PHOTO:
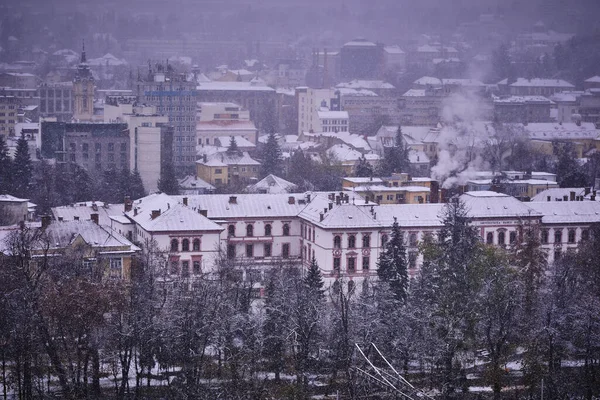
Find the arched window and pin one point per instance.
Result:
(286, 230)
(174, 245)
(366, 241)
(231, 230)
(558, 236)
(268, 230)
(512, 237)
(501, 238)
(489, 239)
(185, 245)
(196, 245)
(384, 240)
(337, 242)
(250, 230)
(351, 242)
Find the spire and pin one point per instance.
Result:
(83, 59)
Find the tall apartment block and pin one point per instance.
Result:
(175, 97)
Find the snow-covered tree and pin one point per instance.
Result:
(271, 157)
(392, 266)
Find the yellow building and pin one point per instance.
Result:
(223, 168)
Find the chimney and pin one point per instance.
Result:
(338, 201)
(94, 206)
(324, 210)
(185, 201)
(128, 204)
(291, 200)
(548, 198)
(593, 197)
(346, 198)
(155, 213)
(232, 200)
(95, 217)
(135, 212)
(587, 191)
(203, 212)
(565, 198)
(308, 197)
(46, 219)
(572, 196)
(321, 216)
(330, 205)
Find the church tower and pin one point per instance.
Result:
(83, 91)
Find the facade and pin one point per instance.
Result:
(534, 87)
(174, 96)
(9, 108)
(57, 101)
(95, 147)
(224, 168)
(218, 120)
(361, 59)
(12, 209)
(523, 109)
(255, 96)
(150, 135)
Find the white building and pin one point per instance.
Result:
(217, 120)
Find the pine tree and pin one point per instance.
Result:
(124, 184)
(136, 188)
(233, 147)
(22, 169)
(392, 266)
(363, 168)
(5, 168)
(314, 281)
(271, 157)
(395, 158)
(168, 180)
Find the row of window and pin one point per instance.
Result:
(366, 241)
(268, 230)
(267, 250)
(185, 245)
(183, 268)
(558, 235)
(110, 146)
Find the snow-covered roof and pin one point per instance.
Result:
(593, 79)
(193, 182)
(363, 180)
(417, 157)
(62, 234)
(359, 42)
(565, 130)
(365, 84)
(414, 93)
(428, 80)
(567, 212)
(107, 59)
(342, 153)
(393, 49)
(7, 198)
(222, 159)
(272, 184)
(558, 194)
(240, 141)
(538, 82)
(566, 96)
(356, 92)
(487, 204)
(225, 125)
(351, 139)
(427, 49)
(253, 86)
(523, 100)
(82, 211)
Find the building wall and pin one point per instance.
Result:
(57, 100)
(9, 106)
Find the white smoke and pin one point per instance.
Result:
(460, 140)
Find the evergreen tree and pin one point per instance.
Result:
(124, 183)
(301, 169)
(168, 181)
(502, 64)
(22, 169)
(363, 168)
(314, 281)
(111, 190)
(569, 172)
(5, 168)
(233, 147)
(271, 157)
(395, 158)
(83, 187)
(392, 266)
(136, 188)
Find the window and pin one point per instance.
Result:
(250, 230)
(111, 146)
(558, 236)
(98, 147)
(174, 245)
(285, 250)
(231, 251)
(286, 230)
(185, 269)
(384, 240)
(351, 242)
(489, 239)
(196, 245)
(268, 230)
(267, 250)
(218, 171)
(366, 241)
(231, 230)
(196, 266)
(501, 238)
(351, 265)
(412, 260)
(85, 147)
(337, 263)
(185, 245)
(512, 237)
(365, 263)
(115, 268)
(585, 235)
(174, 268)
(571, 236)
(337, 242)
(412, 239)
(249, 250)
(545, 236)
(123, 147)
